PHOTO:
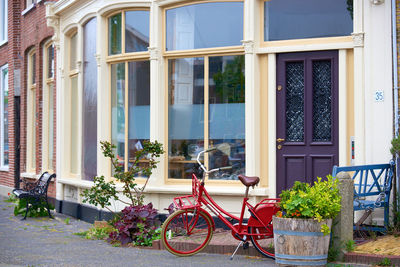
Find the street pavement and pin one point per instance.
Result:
(52, 242)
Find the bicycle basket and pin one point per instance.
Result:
(189, 201)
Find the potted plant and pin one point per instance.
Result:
(302, 227)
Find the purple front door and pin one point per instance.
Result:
(307, 116)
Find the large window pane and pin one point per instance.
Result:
(89, 126)
(139, 106)
(136, 31)
(118, 109)
(205, 25)
(294, 19)
(227, 115)
(115, 34)
(74, 125)
(185, 114)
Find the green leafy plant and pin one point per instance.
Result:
(395, 149)
(11, 198)
(143, 163)
(37, 209)
(319, 201)
(67, 220)
(350, 245)
(384, 262)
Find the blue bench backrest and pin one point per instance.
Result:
(370, 180)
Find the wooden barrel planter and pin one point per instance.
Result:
(300, 242)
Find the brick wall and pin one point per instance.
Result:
(24, 33)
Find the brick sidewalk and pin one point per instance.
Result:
(222, 242)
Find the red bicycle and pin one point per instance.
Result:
(190, 228)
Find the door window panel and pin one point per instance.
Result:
(185, 115)
(294, 19)
(322, 101)
(204, 25)
(295, 102)
(227, 115)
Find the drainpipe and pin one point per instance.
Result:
(395, 88)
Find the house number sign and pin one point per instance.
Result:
(379, 96)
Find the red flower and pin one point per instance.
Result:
(8, 193)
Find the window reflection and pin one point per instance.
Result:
(136, 31)
(227, 115)
(185, 114)
(114, 34)
(118, 109)
(293, 19)
(204, 25)
(139, 107)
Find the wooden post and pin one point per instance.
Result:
(342, 227)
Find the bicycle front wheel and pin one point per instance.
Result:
(187, 232)
(264, 242)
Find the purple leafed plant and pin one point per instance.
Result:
(137, 224)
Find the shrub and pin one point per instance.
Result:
(38, 208)
(102, 192)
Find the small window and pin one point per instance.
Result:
(72, 51)
(3, 20)
(294, 19)
(128, 32)
(204, 25)
(50, 62)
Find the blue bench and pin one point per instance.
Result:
(372, 186)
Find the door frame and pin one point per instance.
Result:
(346, 111)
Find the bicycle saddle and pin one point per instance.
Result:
(249, 181)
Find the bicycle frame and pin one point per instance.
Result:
(202, 197)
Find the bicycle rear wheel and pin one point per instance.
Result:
(186, 232)
(264, 242)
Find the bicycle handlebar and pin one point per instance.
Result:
(204, 168)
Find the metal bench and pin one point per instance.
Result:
(372, 186)
(36, 192)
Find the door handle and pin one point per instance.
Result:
(280, 140)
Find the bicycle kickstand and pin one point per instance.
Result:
(240, 243)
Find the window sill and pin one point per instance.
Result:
(30, 175)
(29, 8)
(4, 169)
(3, 42)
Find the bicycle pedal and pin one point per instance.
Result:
(246, 245)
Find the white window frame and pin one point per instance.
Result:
(48, 82)
(3, 21)
(31, 116)
(4, 85)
